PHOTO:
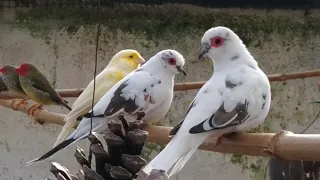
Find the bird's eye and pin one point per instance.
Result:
(172, 61)
(131, 56)
(216, 41)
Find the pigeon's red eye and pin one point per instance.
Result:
(172, 61)
(216, 41)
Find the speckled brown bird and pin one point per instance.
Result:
(38, 88)
(3, 86)
(4, 91)
(11, 80)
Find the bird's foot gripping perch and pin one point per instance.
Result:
(21, 101)
(33, 108)
(225, 137)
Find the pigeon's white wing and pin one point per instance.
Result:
(238, 101)
(135, 93)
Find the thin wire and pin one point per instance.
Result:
(312, 122)
(94, 77)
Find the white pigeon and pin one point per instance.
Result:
(145, 93)
(236, 98)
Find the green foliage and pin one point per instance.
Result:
(165, 22)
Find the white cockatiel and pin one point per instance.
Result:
(145, 93)
(236, 98)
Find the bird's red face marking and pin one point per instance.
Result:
(216, 41)
(4, 70)
(23, 70)
(172, 61)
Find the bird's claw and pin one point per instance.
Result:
(225, 137)
(33, 108)
(17, 106)
(218, 141)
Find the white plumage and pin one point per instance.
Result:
(236, 98)
(149, 89)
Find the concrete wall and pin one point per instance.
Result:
(62, 44)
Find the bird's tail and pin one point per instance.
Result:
(70, 121)
(53, 151)
(176, 154)
(65, 104)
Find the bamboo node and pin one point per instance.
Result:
(272, 149)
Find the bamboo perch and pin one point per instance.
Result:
(197, 85)
(284, 145)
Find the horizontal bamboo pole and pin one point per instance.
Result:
(197, 85)
(284, 145)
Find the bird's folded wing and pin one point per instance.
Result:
(42, 84)
(130, 95)
(104, 83)
(241, 98)
(135, 94)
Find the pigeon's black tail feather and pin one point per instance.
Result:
(52, 151)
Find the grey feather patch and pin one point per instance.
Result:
(140, 69)
(239, 114)
(264, 100)
(235, 57)
(118, 102)
(230, 84)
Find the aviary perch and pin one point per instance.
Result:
(284, 145)
(197, 85)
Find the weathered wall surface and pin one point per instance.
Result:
(62, 44)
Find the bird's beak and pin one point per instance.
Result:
(181, 70)
(204, 51)
(2, 70)
(141, 61)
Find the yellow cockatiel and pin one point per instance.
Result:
(122, 63)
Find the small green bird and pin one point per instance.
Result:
(3, 86)
(11, 80)
(4, 94)
(38, 88)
